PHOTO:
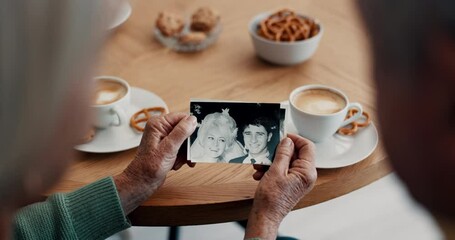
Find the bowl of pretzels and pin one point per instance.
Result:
(285, 37)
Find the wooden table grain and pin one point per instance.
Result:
(212, 193)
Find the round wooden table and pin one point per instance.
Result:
(229, 70)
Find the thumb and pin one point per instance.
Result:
(284, 153)
(179, 134)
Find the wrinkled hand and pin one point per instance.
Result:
(162, 139)
(291, 176)
(157, 154)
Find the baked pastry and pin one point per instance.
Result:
(201, 31)
(170, 24)
(204, 19)
(143, 115)
(192, 38)
(287, 26)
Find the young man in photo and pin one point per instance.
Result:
(257, 135)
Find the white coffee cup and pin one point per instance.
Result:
(318, 111)
(112, 99)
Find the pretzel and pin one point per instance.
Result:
(365, 114)
(348, 131)
(147, 114)
(89, 135)
(353, 127)
(286, 26)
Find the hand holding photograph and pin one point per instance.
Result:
(235, 132)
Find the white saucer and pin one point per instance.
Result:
(123, 137)
(123, 14)
(339, 150)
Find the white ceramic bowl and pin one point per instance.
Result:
(283, 53)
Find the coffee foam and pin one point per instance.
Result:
(319, 101)
(105, 97)
(108, 92)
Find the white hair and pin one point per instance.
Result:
(44, 46)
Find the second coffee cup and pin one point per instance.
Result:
(112, 99)
(318, 111)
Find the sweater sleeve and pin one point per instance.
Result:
(92, 212)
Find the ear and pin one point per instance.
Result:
(269, 137)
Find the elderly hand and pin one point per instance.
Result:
(291, 176)
(157, 154)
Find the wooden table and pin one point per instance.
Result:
(212, 193)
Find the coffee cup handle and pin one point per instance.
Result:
(121, 115)
(355, 116)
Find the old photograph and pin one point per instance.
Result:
(235, 132)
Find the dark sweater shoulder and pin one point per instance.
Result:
(238, 160)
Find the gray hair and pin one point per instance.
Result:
(45, 45)
(400, 29)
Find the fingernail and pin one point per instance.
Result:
(193, 120)
(287, 142)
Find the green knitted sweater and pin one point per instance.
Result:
(92, 212)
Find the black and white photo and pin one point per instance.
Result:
(235, 132)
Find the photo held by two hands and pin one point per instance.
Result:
(235, 132)
(292, 173)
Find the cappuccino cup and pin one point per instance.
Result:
(111, 99)
(318, 111)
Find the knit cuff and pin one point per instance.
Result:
(96, 211)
